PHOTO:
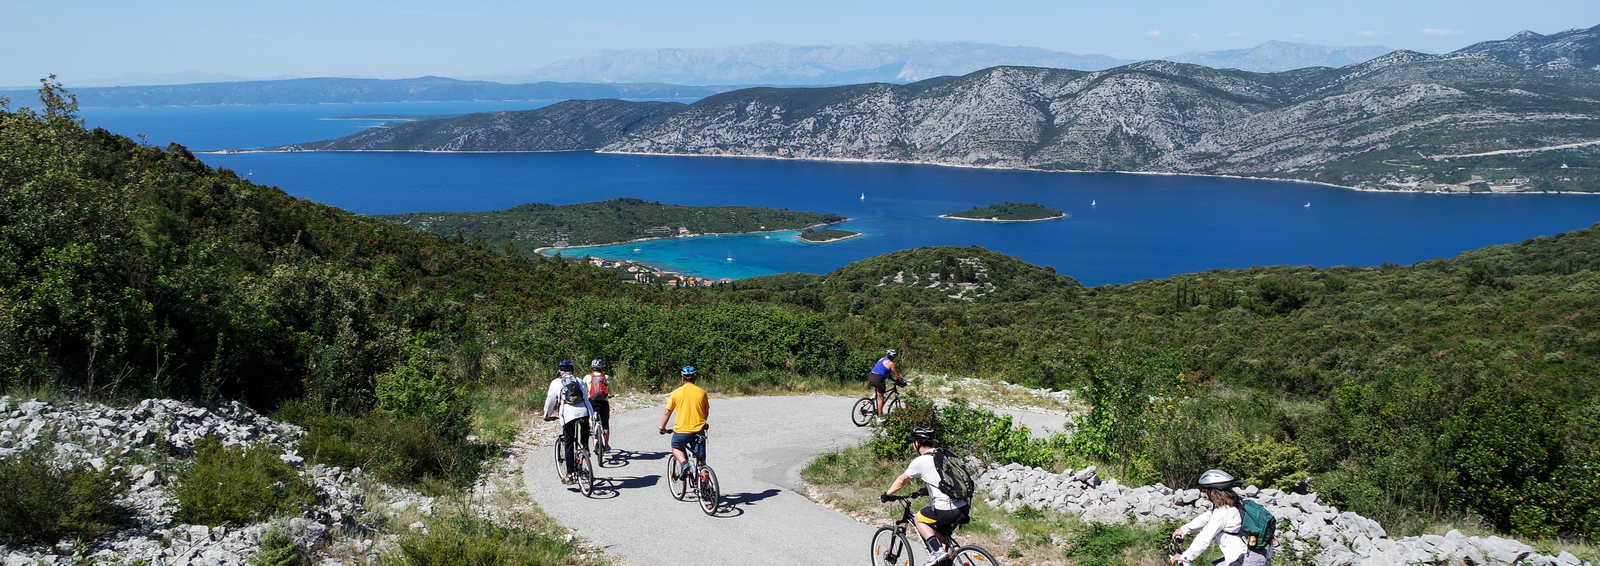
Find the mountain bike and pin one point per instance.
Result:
(890, 547)
(584, 473)
(601, 447)
(867, 407)
(699, 479)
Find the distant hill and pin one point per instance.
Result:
(336, 90)
(532, 226)
(1576, 48)
(777, 64)
(563, 126)
(1275, 56)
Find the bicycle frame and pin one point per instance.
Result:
(908, 522)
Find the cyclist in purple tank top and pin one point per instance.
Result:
(882, 370)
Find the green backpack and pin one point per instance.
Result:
(1257, 526)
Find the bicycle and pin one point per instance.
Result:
(585, 468)
(700, 477)
(890, 547)
(601, 447)
(867, 407)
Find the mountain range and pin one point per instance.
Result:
(1468, 121)
(338, 90)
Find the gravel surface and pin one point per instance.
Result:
(757, 445)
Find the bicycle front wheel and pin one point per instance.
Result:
(973, 556)
(678, 488)
(585, 475)
(861, 413)
(710, 493)
(890, 548)
(893, 403)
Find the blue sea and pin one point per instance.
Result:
(1140, 227)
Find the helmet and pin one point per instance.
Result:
(1217, 479)
(891, 352)
(923, 434)
(597, 364)
(687, 371)
(565, 365)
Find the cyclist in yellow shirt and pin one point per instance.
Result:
(692, 406)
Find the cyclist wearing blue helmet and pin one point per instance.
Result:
(881, 371)
(692, 405)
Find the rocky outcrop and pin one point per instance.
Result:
(1577, 48)
(1306, 528)
(161, 430)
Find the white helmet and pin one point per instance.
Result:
(1217, 479)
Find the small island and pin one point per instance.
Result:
(1008, 212)
(826, 236)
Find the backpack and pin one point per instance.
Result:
(954, 479)
(1257, 527)
(572, 391)
(598, 388)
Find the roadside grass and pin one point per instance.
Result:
(460, 537)
(500, 411)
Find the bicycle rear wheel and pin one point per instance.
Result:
(890, 548)
(585, 475)
(678, 488)
(973, 556)
(710, 493)
(861, 413)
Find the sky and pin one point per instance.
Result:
(91, 41)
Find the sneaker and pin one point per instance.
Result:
(566, 480)
(937, 557)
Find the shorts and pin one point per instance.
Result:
(679, 440)
(1252, 558)
(945, 520)
(602, 411)
(876, 381)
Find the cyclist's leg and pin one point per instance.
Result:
(932, 525)
(700, 448)
(570, 451)
(603, 410)
(583, 434)
(876, 381)
(678, 441)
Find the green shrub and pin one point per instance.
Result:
(1100, 544)
(462, 540)
(277, 549)
(41, 503)
(422, 386)
(892, 439)
(399, 449)
(238, 486)
(332, 438)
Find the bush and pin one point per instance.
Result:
(237, 486)
(1100, 544)
(462, 540)
(277, 549)
(399, 449)
(421, 386)
(41, 503)
(968, 432)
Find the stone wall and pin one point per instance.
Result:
(1323, 534)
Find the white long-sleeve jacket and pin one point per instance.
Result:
(1214, 525)
(569, 413)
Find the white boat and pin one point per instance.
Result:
(729, 258)
(1308, 205)
(635, 250)
(863, 196)
(1094, 203)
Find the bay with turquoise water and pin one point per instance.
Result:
(1142, 226)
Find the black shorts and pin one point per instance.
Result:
(602, 411)
(945, 520)
(876, 381)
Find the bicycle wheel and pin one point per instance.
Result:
(585, 475)
(890, 548)
(973, 556)
(893, 403)
(710, 493)
(861, 413)
(678, 488)
(561, 469)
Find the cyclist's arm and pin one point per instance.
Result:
(552, 398)
(1207, 534)
(666, 416)
(895, 369)
(899, 482)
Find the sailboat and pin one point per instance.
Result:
(863, 196)
(1094, 203)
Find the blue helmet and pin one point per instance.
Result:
(565, 365)
(687, 371)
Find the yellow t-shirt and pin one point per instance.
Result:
(690, 407)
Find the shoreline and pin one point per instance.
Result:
(911, 162)
(853, 234)
(559, 249)
(1056, 217)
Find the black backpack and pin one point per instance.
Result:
(572, 391)
(954, 478)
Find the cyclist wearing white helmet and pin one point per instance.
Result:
(1222, 524)
(599, 385)
(881, 371)
(693, 407)
(568, 394)
(943, 513)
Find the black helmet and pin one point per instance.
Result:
(891, 352)
(924, 434)
(565, 365)
(1217, 479)
(597, 364)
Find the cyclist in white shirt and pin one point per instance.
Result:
(936, 521)
(568, 394)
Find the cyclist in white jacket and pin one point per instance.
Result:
(574, 414)
(1220, 525)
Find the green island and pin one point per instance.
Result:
(826, 235)
(536, 225)
(1008, 212)
(1452, 392)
